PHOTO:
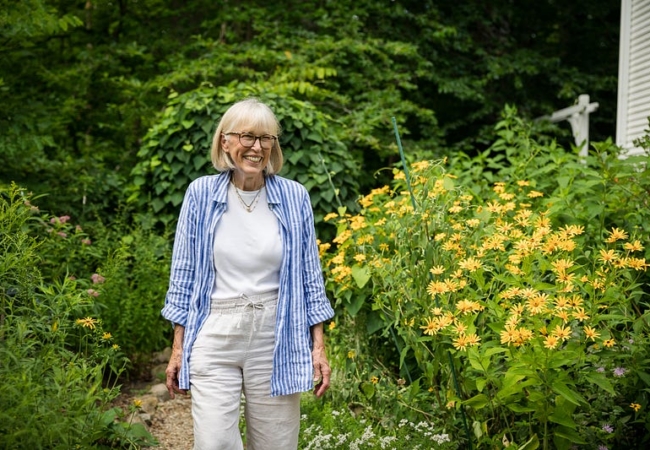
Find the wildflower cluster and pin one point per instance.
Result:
(503, 281)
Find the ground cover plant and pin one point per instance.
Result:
(510, 293)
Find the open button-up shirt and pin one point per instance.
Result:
(301, 298)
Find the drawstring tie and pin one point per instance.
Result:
(250, 304)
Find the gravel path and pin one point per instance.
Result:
(172, 424)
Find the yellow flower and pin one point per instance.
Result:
(450, 404)
(470, 264)
(352, 354)
(330, 216)
(607, 255)
(537, 303)
(580, 314)
(562, 333)
(633, 246)
(332, 325)
(561, 265)
(437, 270)
(460, 328)
(55, 326)
(374, 380)
(591, 333)
(609, 343)
(550, 342)
(437, 287)
(106, 336)
(360, 257)
(535, 194)
(509, 335)
(115, 347)
(464, 341)
(88, 322)
(635, 406)
(137, 403)
(467, 306)
(431, 327)
(616, 235)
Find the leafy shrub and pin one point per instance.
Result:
(59, 366)
(124, 268)
(176, 149)
(516, 285)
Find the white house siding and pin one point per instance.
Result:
(634, 74)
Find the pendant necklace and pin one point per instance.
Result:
(248, 207)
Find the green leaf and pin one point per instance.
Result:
(368, 389)
(361, 275)
(562, 419)
(601, 381)
(531, 444)
(570, 395)
(569, 434)
(477, 402)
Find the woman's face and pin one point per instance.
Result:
(249, 154)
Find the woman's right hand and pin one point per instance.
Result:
(175, 362)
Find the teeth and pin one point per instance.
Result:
(253, 158)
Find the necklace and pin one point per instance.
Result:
(248, 207)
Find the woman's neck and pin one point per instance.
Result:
(244, 183)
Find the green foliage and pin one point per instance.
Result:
(58, 365)
(124, 268)
(176, 149)
(517, 286)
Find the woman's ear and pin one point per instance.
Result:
(224, 143)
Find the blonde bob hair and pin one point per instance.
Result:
(247, 115)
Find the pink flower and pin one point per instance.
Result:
(93, 292)
(86, 241)
(64, 219)
(62, 234)
(72, 278)
(97, 278)
(54, 220)
(78, 229)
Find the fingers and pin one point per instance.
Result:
(322, 374)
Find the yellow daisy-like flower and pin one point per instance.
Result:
(616, 235)
(537, 303)
(470, 264)
(330, 216)
(467, 306)
(137, 403)
(360, 257)
(374, 380)
(633, 246)
(106, 336)
(460, 328)
(580, 314)
(591, 333)
(609, 342)
(332, 325)
(437, 287)
(607, 255)
(535, 194)
(463, 341)
(431, 326)
(522, 183)
(437, 270)
(635, 406)
(436, 311)
(509, 335)
(352, 354)
(115, 347)
(562, 333)
(551, 342)
(88, 322)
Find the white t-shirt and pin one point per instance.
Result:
(247, 248)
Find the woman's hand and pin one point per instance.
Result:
(322, 369)
(175, 362)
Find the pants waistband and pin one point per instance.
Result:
(237, 304)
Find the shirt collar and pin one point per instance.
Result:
(220, 193)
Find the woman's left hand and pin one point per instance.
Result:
(322, 371)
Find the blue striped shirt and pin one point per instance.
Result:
(301, 297)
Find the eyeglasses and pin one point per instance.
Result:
(248, 140)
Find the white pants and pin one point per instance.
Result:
(234, 351)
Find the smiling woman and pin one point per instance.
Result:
(246, 293)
